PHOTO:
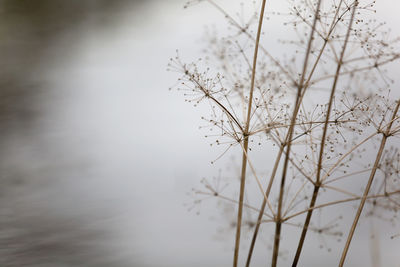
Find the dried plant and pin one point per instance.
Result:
(320, 109)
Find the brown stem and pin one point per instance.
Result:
(241, 196)
(246, 140)
(278, 225)
(248, 34)
(283, 179)
(223, 108)
(338, 202)
(317, 184)
(306, 224)
(256, 230)
(385, 136)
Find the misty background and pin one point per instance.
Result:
(97, 155)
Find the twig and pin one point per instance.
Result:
(385, 136)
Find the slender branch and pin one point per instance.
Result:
(235, 201)
(261, 212)
(385, 136)
(278, 125)
(292, 205)
(278, 225)
(244, 30)
(329, 172)
(345, 176)
(351, 72)
(336, 19)
(337, 189)
(259, 183)
(246, 139)
(317, 184)
(337, 202)
(207, 94)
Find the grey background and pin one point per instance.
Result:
(97, 155)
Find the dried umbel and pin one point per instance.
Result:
(322, 107)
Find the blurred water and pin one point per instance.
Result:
(89, 128)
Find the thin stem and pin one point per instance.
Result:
(278, 225)
(246, 140)
(345, 176)
(337, 202)
(261, 212)
(223, 108)
(330, 171)
(337, 189)
(335, 20)
(385, 136)
(317, 184)
(353, 71)
(245, 204)
(259, 183)
(278, 125)
(256, 230)
(244, 30)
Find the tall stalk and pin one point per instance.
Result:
(278, 219)
(317, 184)
(246, 139)
(385, 136)
(304, 87)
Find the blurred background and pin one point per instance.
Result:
(96, 155)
